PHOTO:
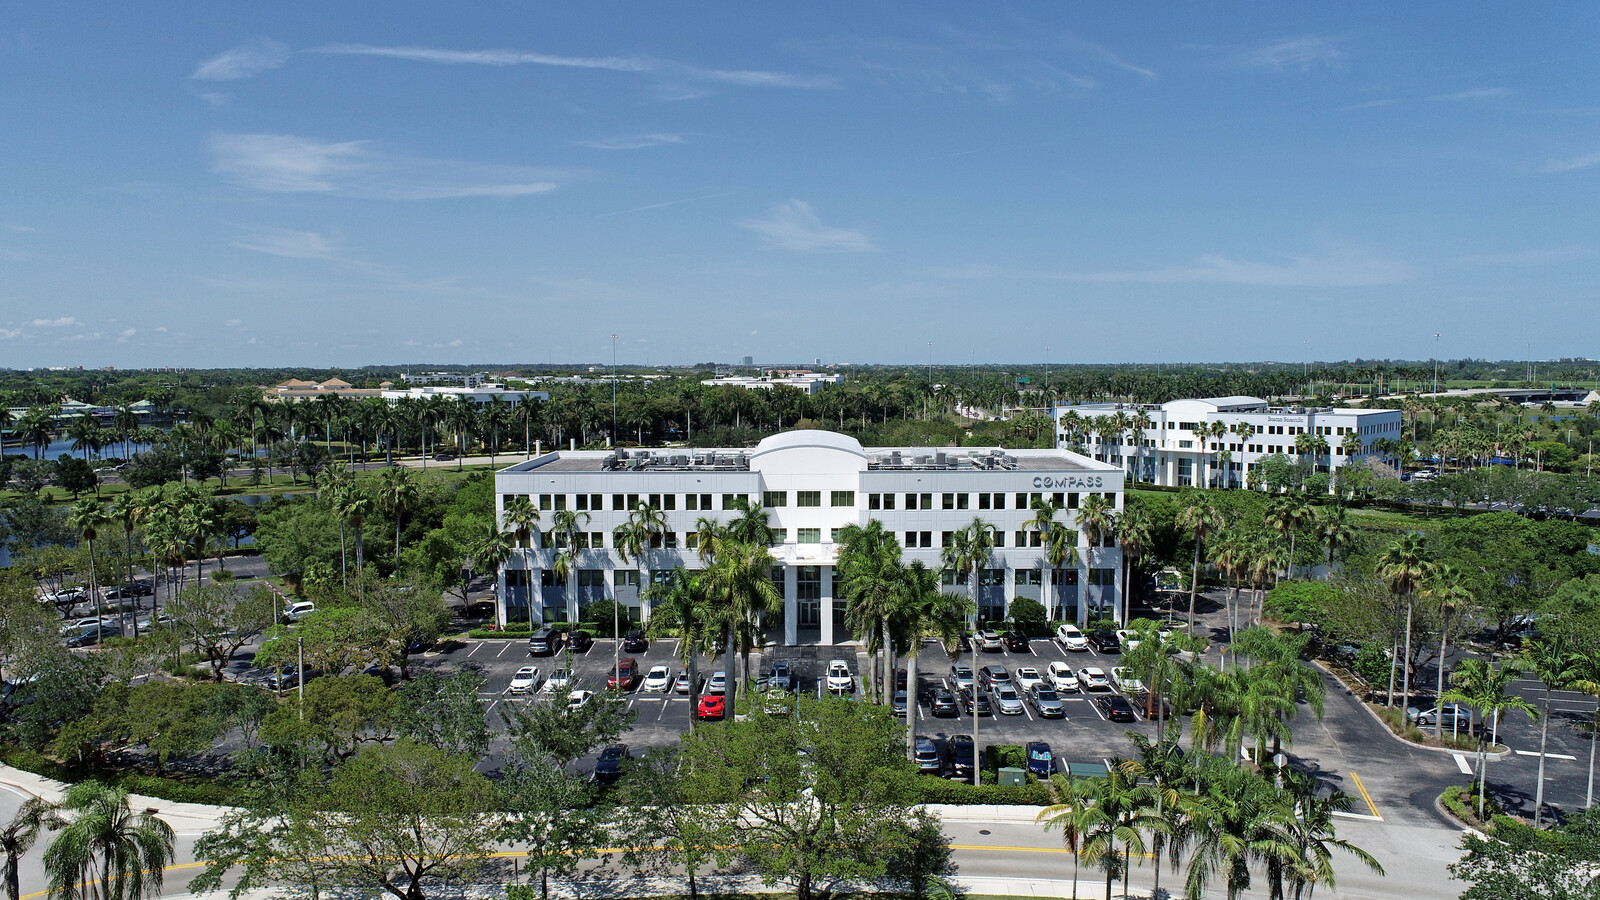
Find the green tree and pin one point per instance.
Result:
(1403, 565)
(87, 518)
(925, 611)
(1077, 817)
(871, 577)
(1486, 688)
(1552, 663)
(105, 850)
(444, 711)
(739, 588)
(1311, 838)
(216, 620)
(1517, 862)
(18, 836)
(667, 834)
(1199, 518)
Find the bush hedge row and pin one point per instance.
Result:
(211, 792)
(960, 793)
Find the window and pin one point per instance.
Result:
(671, 540)
(1072, 501)
(1028, 576)
(544, 502)
(1059, 499)
(727, 500)
(808, 583)
(597, 540)
(561, 501)
(992, 501)
(911, 501)
(586, 502)
(591, 578)
(691, 540)
(1024, 499)
(911, 539)
(697, 501)
(888, 501)
(949, 501)
(774, 498)
(927, 538)
(999, 537)
(842, 498)
(618, 502)
(807, 498)
(808, 535)
(664, 501)
(780, 536)
(1021, 538)
(874, 501)
(944, 538)
(833, 535)
(627, 578)
(961, 501)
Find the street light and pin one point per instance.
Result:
(1436, 362)
(613, 388)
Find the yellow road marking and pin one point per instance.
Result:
(1364, 795)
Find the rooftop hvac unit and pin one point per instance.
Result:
(939, 458)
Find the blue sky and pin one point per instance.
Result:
(345, 184)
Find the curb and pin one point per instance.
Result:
(1496, 755)
(1438, 807)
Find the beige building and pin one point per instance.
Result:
(294, 390)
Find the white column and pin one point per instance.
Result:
(500, 597)
(791, 607)
(826, 620)
(1083, 585)
(1118, 589)
(1010, 586)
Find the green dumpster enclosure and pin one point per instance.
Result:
(1012, 776)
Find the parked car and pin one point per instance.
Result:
(1046, 703)
(94, 634)
(444, 457)
(681, 684)
(635, 642)
(1115, 707)
(980, 707)
(963, 755)
(717, 684)
(73, 627)
(989, 642)
(941, 703)
(658, 680)
(1450, 716)
(712, 706)
(1152, 706)
(579, 640)
(525, 680)
(608, 768)
(159, 620)
(839, 680)
(1128, 639)
(298, 611)
(961, 676)
(1062, 678)
(1105, 640)
(779, 678)
(1026, 677)
(1016, 642)
(1123, 679)
(900, 679)
(1071, 638)
(625, 677)
(1093, 678)
(1007, 700)
(579, 699)
(1041, 762)
(545, 642)
(989, 676)
(899, 704)
(930, 756)
(557, 684)
(287, 677)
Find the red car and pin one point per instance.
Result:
(625, 676)
(712, 706)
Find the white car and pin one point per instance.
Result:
(1128, 638)
(658, 680)
(298, 611)
(1062, 678)
(1123, 679)
(90, 622)
(1093, 678)
(681, 684)
(525, 681)
(558, 683)
(839, 680)
(1007, 701)
(1071, 638)
(717, 684)
(577, 699)
(1026, 677)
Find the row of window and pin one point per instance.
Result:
(670, 540)
(778, 499)
(988, 500)
(803, 499)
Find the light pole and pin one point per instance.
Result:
(613, 388)
(1436, 362)
(300, 676)
(926, 399)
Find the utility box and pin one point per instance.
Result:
(1012, 776)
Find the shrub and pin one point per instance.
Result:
(211, 792)
(1462, 802)
(495, 633)
(959, 793)
(1003, 755)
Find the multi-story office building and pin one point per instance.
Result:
(811, 484)
(1218, 441)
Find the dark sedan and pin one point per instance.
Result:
(1115, 707)
(579, 640)
(94, 634)
(608, 768)
(983, 708)
(635, 642)
(1016, 642)
(1105, 640)
(962, 755)
(941, 703)
(1152, 706)
(625, 677)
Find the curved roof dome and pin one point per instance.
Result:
(810, 450)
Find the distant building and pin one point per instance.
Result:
(482, 393)
(1166, 449)
(800, 379)
(458, 379)
(294, 390)
(749, 360)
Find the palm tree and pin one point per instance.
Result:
(87, 518)
(1403, 565)
(1096, 519)
(969, 549)
(106, 851)
(397, 492)
(1309, 832)
(521, 518)
(1135, 531)
(1058, 543)
(17, 837)
(38, 427)
(739, 586)
(1077, 816)
(1198, 517)
(1487, 689)
(1334, 531)
(1126, 806)
(1586, 678)
(1552, 662)
(565, 526)
(870, 576)
(680, 609)
(924, 611)
(1236, 818)
(351, 504)
(1162, 765)
(749, 525)
(1287, 516)
(636, 536)
(1448, 587)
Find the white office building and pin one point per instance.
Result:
(799, 379)
(482, 393)
(812, 484)
(1177, 444)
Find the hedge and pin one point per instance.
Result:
(211, 792)
(1462, 802)
(960, 793)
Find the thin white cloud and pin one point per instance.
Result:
(282, 163)
(63, 322)
(631, 141)
(126, 335)
(247, 60)
(623, 212)
(293, 245)
(25, 229)
(1474, 94)
(1306, 52)
(1343, 269)
(760, 78)
(1572, 164)
(82, 336)
(9, 334)
(488, 57)
(231, 323)
(795, 226)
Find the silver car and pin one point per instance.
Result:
(1046, 702)
(961, 677)
(1007, 700)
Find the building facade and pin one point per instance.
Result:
(481, 394)
(1219, 441)
(811, 484)
(799, 379)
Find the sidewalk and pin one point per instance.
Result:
(183, 817)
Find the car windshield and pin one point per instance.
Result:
(1047, 695)
(1041, 755)
(611, 753)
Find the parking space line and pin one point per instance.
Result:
(1461, 763)
(475, 648)
(1547, 755)
(1096, 708)
(503, 650)
(1356, 780)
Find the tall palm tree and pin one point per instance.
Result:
(1404, 565)
(749, 524)
(968, 551)
(106, 851)
(924, 611)
(1059, 547)
(1586, 678)
(87, 518)
(521, 518)
(397, 493)
(1552, 662)
(1236, 817)
(1096, 518)
(1135, 531)
(1448, 587)
(1287, 516)
(1334, 531)
(1127, 806)
(18, 836)
(1077, 816)
(871, 578)
(739, 585)
(565, 526)
(635, 537)
(1199, 518)
(352, 505)
(680, 610)
(1486, 688)
(1309, 832)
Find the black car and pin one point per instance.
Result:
(608, 768)
(983, 706)
(545, 642)
(1041, 761)
(1016, 641)
(635, 642)
(941, 703)
(1105, 640)
(962, 756)
(94, 634)
(579, 640)
(1115, 707)
(930, 756)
